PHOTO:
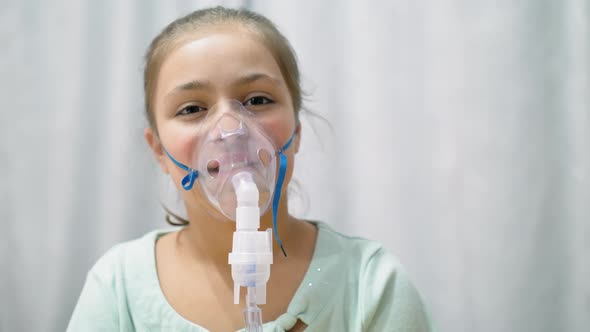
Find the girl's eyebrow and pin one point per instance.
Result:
(192, 85)
(256, 77)
(188, 86)
(203, 85)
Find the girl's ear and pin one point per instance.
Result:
(297, 138)
(156, 147)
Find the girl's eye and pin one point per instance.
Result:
(258, 100)
(191, 109)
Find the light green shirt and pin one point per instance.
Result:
(352, 284)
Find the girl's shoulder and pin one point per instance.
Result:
(355, 250)
(137, 254)
(121, 288)
(378, 291)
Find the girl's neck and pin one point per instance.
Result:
(209, 241)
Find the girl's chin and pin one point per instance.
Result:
(214, 214)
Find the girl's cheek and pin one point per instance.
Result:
(279, 129)
(180, 142)
(188, 146)
(275, 131)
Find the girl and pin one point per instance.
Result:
(229, 77)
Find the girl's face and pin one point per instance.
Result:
(219, 64)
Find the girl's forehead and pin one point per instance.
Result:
(217, 56)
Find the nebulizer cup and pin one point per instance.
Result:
(251, 254)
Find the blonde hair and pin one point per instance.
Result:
(180, 31)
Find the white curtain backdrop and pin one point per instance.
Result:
(458, 135)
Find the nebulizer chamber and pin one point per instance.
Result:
(251, 254)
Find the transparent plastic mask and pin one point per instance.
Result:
(229, 140)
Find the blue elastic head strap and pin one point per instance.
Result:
(277, 196)
(189, 180)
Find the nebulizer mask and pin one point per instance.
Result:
(238, 168)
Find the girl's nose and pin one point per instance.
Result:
(228, 126)
(229, 123)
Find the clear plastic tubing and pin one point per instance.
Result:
(252, 313)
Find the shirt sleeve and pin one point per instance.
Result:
(96, 309)
(389, 299)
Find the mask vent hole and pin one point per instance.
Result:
(213, 168)
(264, 156)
